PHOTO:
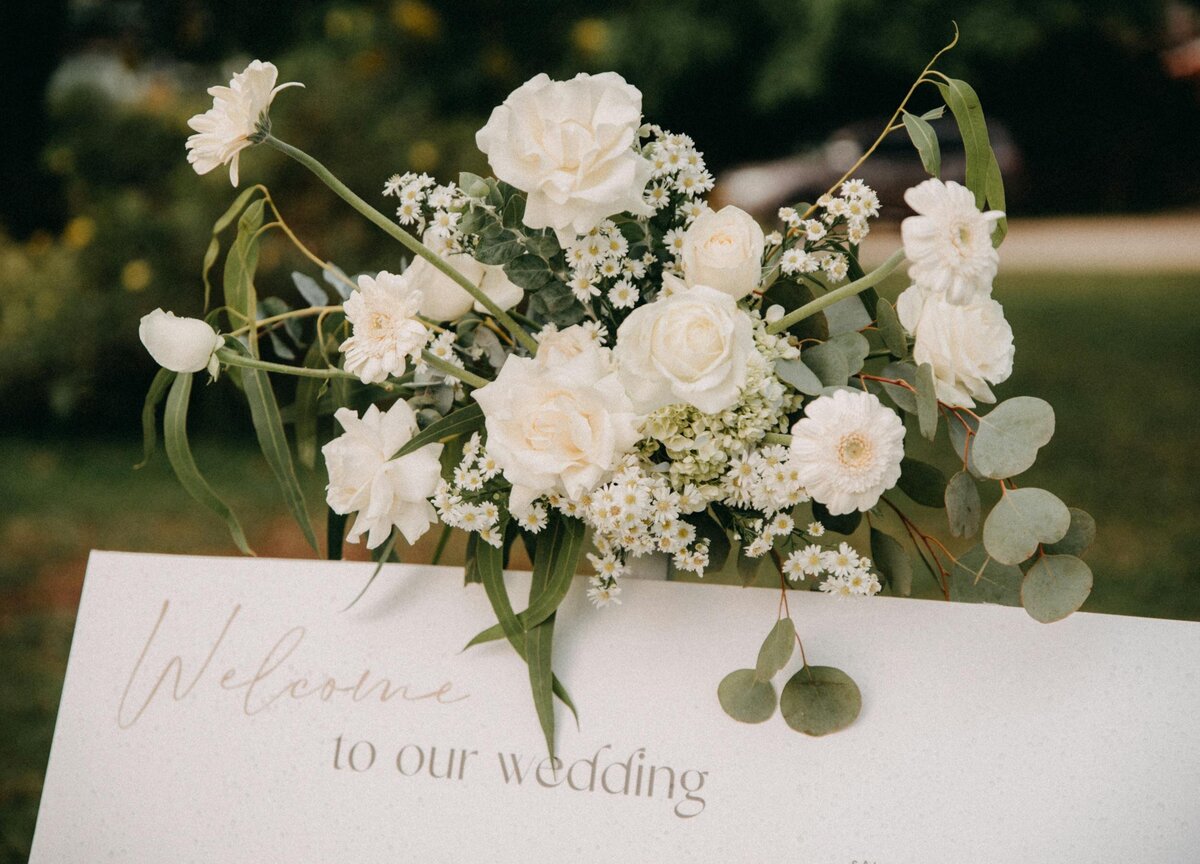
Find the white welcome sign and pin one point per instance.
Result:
(228, 710)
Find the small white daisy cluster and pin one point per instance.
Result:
(812, 245)
(601, 266)
(847, 574)
(634, 514)
(679, 176)
(469, 501)
(431, 209)
(443, 346)
(766, 480)
(700, 446)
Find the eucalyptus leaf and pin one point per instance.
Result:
(934, 113)
(923, 483)
(854, 347)
(893, 562)
(927, 405)
(465, 420)
(745, 698)
(310, 290)
(1079, 536)
(531, 273)
(1010, 436)
(983, 171)
(799, 376)
(818, 700)
(963, 507)
(338, 280)
(925, 140)
(962, 428)
(828, 363)
(791, 295)
(776, 649)
(976, 577)
(1055, 586)
(891, 329)
(1022, 519)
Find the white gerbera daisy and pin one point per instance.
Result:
(847, 449)
(383, 313)
(949, 241)
(237, 119)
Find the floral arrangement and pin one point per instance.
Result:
(583, 356)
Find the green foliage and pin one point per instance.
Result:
(1079, 537)
(890, 327)
(179, 454)
(1021, 520)
(818, 700)
(795, 373)
(746, 698)
(922, 482)
(963, 505)
(1055, 586)
(976, 577)
(925, 140)
(983, 172)
(927, 405)
(1010, 436)
(892, 561)
(776, 650)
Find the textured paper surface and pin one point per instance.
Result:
(984, 736)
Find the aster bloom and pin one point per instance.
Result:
(237, 119)
(949, 241)
(385, 493)
(383, 313)
(847, 450)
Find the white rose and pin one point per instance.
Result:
(574, 347)
(559, 429)
(689, 347)
(969, 346)
(569, 146)
(180, 344)
(723, 249)
(386, 493)
(443, 299)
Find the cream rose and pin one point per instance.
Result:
(443, 299)
(556, 429)
(723, 249)
(180, 344)
(569, 146)
(969, 346)
(690, 347)
(575, 347)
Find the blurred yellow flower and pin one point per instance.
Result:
(79, 232)
(136, 275)
(590, 36)
(417, 19)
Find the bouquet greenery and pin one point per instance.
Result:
(585, 357)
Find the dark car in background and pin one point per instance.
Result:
(762, 188)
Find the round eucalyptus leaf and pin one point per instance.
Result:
(963, 506)
(1055, 587)
(818, 700)
(1078, 537)
(890, 328)
(1010, 436)
(828, 362)
(745, 698)
(776, 650)
(1022, 519)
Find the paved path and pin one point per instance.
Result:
(1168, 242)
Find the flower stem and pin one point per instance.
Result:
(453, 371)
(849, 290)
(397, 233)
(284, 316)
(232, 358)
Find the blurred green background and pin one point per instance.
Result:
(102, 220)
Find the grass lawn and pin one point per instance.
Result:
(1116, 356)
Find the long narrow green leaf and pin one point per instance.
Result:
(557, 560)
(489, 565)
(158, 389)
(982, 179)
(214, 245)
(304, 421)
(469, 418)
(179, 454)
(268, 425)
(240, 264)
(385, 555)
(539, 646)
